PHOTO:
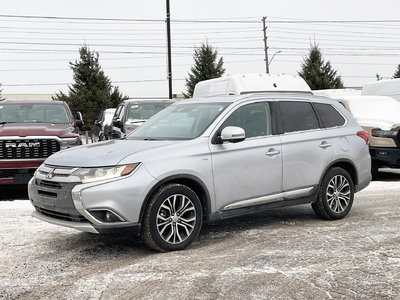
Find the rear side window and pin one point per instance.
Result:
(329, 115)
(298, 116)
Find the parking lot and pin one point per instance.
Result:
(284, 253)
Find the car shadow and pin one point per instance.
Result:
(14, 192)
(124, 244)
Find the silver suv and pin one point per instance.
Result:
(208, 159)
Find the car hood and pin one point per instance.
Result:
(107, 153)
(36, 129)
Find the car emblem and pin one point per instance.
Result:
(50, 175)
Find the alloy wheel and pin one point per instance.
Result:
(176, 219)
(338, 193)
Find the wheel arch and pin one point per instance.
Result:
(188, 180)
(346, 165)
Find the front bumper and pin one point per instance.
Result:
(65, 202)
(385, 157)
(84, 226)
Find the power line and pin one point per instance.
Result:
(334, 21)
(230, 20)
(64, 83)
(147, 30)
(329, 34)
(192, 47)
(82, 18)
(327, 30)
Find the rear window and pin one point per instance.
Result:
(298, 116)
(329, 115)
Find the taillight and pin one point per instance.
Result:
(364, 135)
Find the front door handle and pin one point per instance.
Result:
(272, 152)
(325, 145)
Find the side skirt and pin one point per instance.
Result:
(220, 215)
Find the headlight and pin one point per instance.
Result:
(384, 133)
(70, 142)
(96, 174)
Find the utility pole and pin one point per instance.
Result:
(265, 45)
(169, 75)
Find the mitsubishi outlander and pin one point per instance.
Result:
(207, 159)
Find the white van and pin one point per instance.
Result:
(337, 93)
(390, 87)
(250, 83)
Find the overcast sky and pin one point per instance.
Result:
(35, 51)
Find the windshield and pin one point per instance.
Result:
(33, 113)
(144, 111)
(177, 122)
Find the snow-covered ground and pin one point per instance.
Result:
(284, 253)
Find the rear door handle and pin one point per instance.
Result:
(272, 152)
(325, 145)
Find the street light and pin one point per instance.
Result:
(270, 61)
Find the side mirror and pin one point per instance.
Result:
(97, 123)
(79, 120)
(232, 134)
(117, 123)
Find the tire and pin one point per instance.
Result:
(172, 219)
(335, 196)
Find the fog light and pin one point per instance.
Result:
(110, 217)
(106, 216)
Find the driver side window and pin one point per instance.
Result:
(254, 118)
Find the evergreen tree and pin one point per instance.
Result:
(92, 89)
(397, 72)
(317, 73)
(205, 67)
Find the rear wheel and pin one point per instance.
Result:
(172, 219)
(336, 195)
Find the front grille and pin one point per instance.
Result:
(48, 184)
(54, 199)
(28, 148)
(47, 194)
(60, 215)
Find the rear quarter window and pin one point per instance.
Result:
(329, 115)
(298, 116)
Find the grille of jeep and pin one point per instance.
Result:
(28, 148)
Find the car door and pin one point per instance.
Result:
(117, 131)
(306, 148)
(249, 172)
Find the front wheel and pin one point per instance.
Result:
(172, 219)
(336, 195)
